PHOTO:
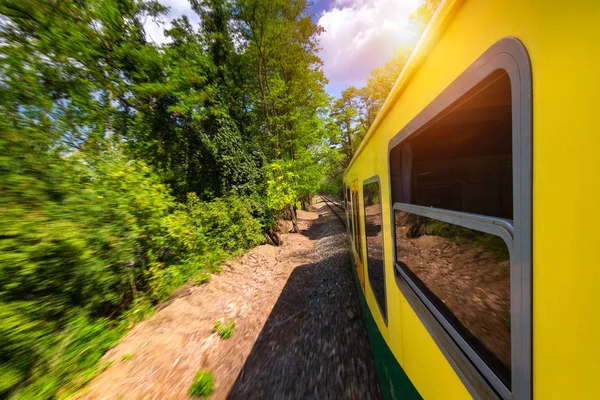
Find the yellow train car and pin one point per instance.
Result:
(472, 208)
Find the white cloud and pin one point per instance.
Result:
(361, 35)
(155, 31)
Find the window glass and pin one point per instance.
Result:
(348, 205)
(373, 233)
(357, 233)
(461, 161)
(344, 197)
(466, 274)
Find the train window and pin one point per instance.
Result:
(374, 236)
(345, 197)
(348, 210)
(465, 274)
(463, 161)
(357, 232)
(460, 176)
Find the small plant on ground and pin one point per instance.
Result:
(201, 278)
(127, 357)
(106, 366)
(203, 385)
(224, 329)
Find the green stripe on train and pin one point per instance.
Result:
(393, 381)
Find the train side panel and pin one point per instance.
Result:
(561, 41)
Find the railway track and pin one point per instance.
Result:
(337, 209)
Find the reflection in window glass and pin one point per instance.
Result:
(373, 232)
(346, 199)
(462, 161)
(466, 274)
(355, 206)
(348, 210)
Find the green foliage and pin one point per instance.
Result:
(284, 74)
(353, 113)
(231, 222)
(224, 330)
(282, 185)
(184, 126)
(89, 238)
(463, 236)
(128, 168)
(356, 109)
(333, 173)
(127, 357)
(290, 181)
(70, 356)
(208, 232)
(203, 384)
(201, 278)
(140, 309)
(423, 14)
(346, 112)
(331, 187)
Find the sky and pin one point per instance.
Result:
(359, 36)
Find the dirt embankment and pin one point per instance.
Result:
(298, 330)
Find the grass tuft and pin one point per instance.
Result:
(203, 385)
(127, 357)
(201, 278)
(225, 330)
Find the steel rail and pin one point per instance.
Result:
(329, 203)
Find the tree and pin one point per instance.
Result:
(423, 14)
(346, 112)
(380, 83)
(73, 62)
(287, 81)
(98, 128)
(356, 109)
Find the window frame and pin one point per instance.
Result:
(357, 233)
(510, 55)
(371, 180)
(348, 209)
(492, 225)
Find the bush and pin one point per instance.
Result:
(332, 188)
(89, 245)
(203, 385)
(207, 233)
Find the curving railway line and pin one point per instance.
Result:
(337, 209)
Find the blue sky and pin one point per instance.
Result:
(359, 36)
(319, 6)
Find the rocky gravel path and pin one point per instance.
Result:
(299, 332)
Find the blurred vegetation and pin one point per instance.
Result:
(494, 245)
(224, 329)
(203, 384)
(89, 245)
(128, 168)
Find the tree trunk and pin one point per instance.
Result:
(292, 213)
